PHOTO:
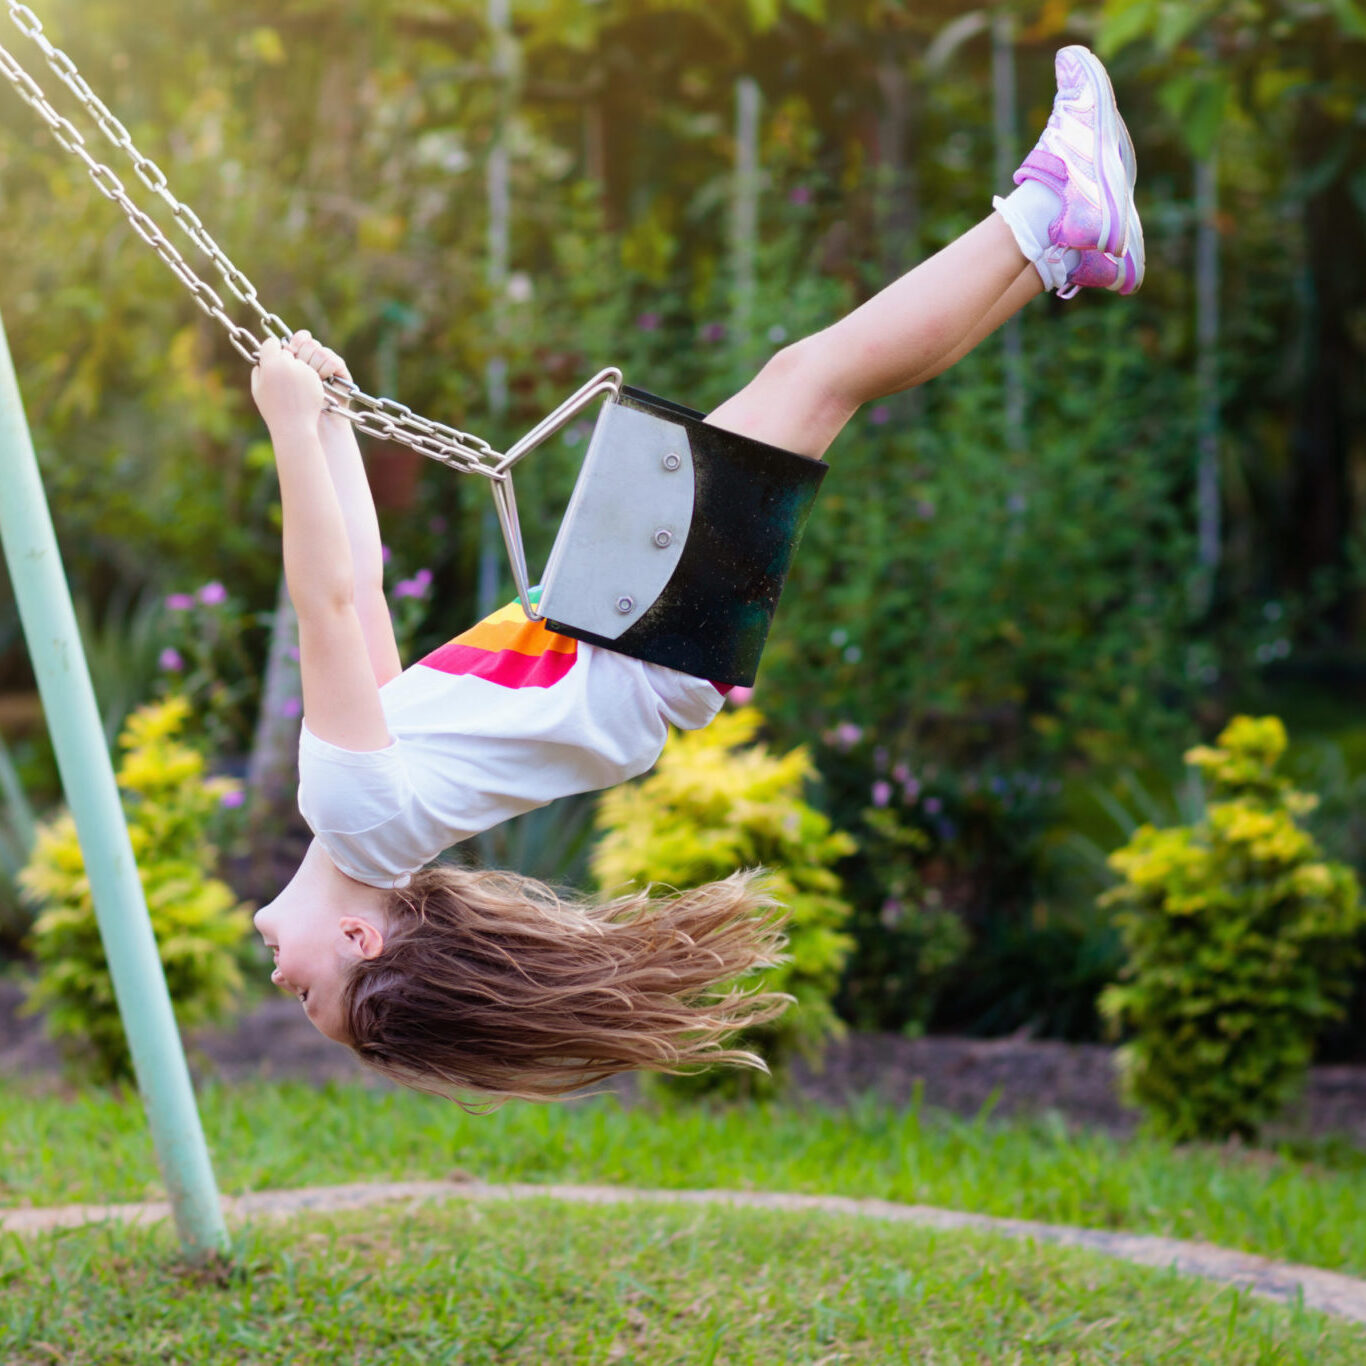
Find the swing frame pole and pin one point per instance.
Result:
(54, 644)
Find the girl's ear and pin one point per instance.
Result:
(362, 938)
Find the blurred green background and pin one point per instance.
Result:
(1026, 587)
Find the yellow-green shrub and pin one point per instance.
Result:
(170, 806)
(1240, 944)
(716, 802)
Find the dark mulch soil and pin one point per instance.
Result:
(1013, 1075)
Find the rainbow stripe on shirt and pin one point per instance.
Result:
(509, 650)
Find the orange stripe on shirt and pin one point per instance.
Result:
(509, 650)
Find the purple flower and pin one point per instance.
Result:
(170, 661)
(648, 322)
(845, 735)
(910, 790)
(799, 194)
(384, 554)
(882, 793)
(902, 773)
(714, 332)
(180, 602)
(880, 416)
(232, 798)
(891, 912)
(212, 594)
(924, 509)
(291, 707)
(293, 652)
(933, 805)
(416, 587)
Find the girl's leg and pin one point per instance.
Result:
(912, 330)
(1071, 224)
(1025, 287)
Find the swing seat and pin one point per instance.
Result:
(677, 540)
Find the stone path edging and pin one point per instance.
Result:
(1329, 1292)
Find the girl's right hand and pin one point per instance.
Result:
(288, 392)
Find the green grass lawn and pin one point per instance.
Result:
(544, 1282)
(94, 1146)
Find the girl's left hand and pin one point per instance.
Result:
(314, 354)
(327, 363)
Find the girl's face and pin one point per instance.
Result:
(321, 924)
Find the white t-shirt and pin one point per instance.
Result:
(504, 718)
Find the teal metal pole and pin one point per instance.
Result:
(54, 645)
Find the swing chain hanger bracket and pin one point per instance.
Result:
(385, 419)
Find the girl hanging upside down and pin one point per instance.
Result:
(454, 980)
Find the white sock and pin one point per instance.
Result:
(1028, 212)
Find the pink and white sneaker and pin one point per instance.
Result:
(1099, 270)
(1079, 158)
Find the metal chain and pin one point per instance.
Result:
(383, 418)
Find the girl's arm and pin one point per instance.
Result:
(358, 512)
(341, 696)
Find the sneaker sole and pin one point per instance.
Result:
(1108, 162)
(1134, 262)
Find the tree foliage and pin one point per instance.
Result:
(718, 801)
(1240, 943)
(198, 922)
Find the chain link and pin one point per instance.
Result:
(382, 418)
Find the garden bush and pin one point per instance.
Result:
(171, 809)
(1239, 937)
(718, 801)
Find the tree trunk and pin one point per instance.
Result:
(1005, 124)
(272, 768)
(1209, 498)
(745, 217)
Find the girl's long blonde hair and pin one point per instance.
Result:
(493, 983)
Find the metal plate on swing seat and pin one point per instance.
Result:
(677, 540)
(626, 525)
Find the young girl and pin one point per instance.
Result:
(454, 980)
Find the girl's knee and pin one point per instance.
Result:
(811, 371)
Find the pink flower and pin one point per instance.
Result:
(740, 696)
(232, 798)
(714, 332)
(648, 322)
(179, 602)
(880, 416)
(799, 194)
(384, 554)
(933, 806)
(882, 793)
(291, 707)
(170, 661)
(212, 594)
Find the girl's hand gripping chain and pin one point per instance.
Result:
(288, 392)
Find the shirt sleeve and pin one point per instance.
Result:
(357, 803)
